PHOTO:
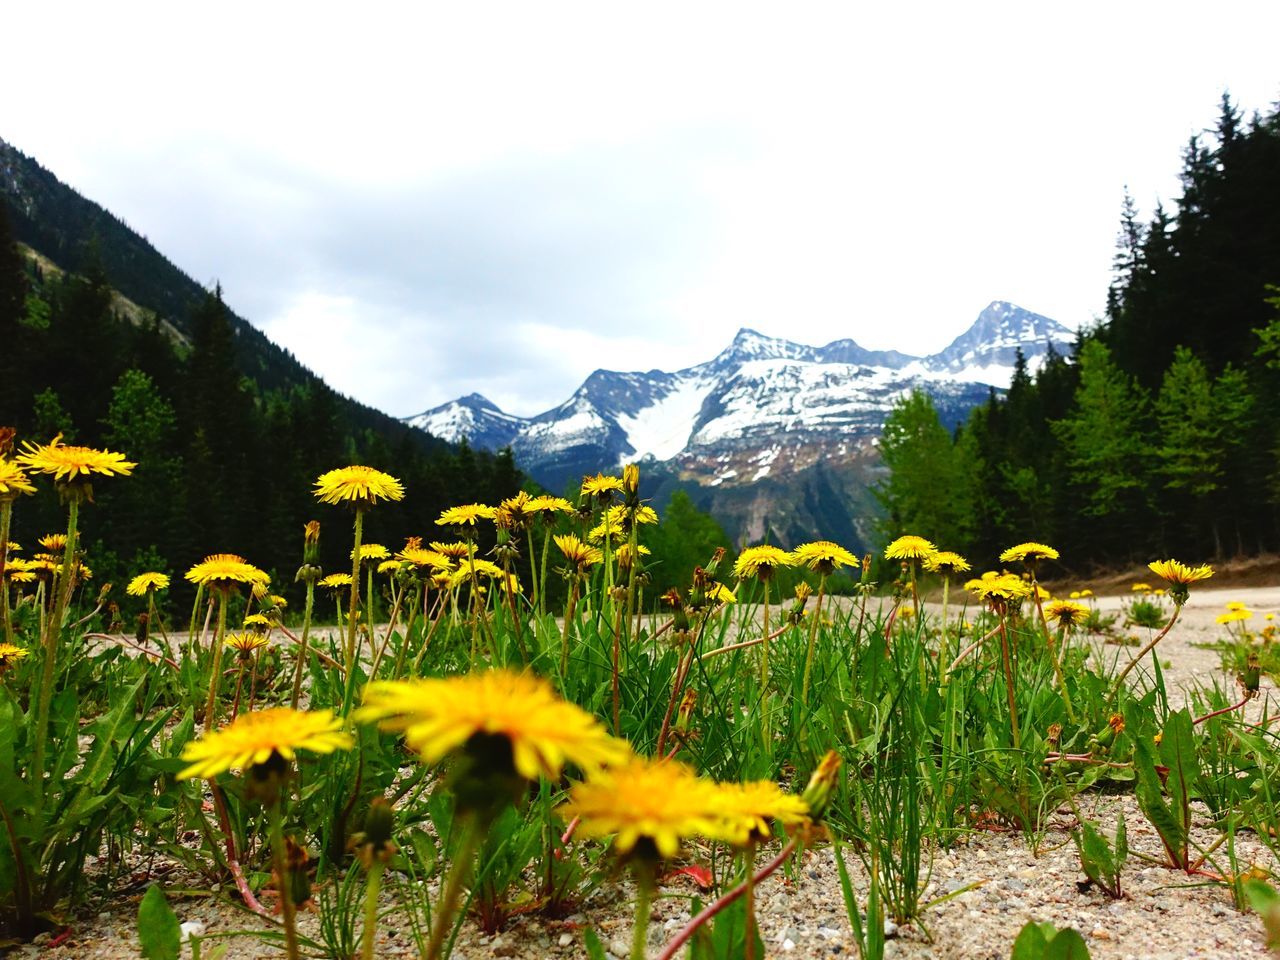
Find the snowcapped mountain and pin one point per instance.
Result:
(763, 423)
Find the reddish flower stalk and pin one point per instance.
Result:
(679, 940)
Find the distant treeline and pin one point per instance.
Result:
(1160, 433)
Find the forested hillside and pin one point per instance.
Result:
(1159, 433)
(227, 449)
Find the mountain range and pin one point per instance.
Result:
(773, 437)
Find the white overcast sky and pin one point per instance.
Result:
(427, 199)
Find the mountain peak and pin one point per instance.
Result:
(994, 338)
(751, 344)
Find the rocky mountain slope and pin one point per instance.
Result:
(769, 434)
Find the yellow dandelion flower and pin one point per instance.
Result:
(357, 485)
(389, 566)
(277, 601)
(1237, 605)
(909, 548)
(1235, 616)
(719, 593)
(1066, 612)
(440, 716)
(515, 513)
(946, 562)
(481, 568)
(466, 515)
(252, 738)
(454, 551)
(655, 802)
(145, 583)
(823, 556)
(1075, 594)
(747, 811)
(1028, 553)
(421, 557)
(549, 505)
(624, 553)
(13, 481)
(55, 542)
(999, 588)
(761, 562)
(1086, 593)
(605, 528)
(623, 515)
(68, 463)
(19, 576)
(335, 580)
(227, 570)
(576, 552)
(246, 643)
(1141, 588)
(1179, 574)
(257, 620)
(371, 551)
(601, 485)
(11, 654)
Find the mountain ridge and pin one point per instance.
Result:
(763, 407)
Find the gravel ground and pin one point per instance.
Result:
(1164, 914)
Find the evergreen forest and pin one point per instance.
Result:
(1159, 433)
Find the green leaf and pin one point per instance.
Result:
(595, 949)
(1264, 899)
(1067, 945)
(159, 934)
(1031, 942)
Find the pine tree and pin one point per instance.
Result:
(928, 491)
(1106, 451)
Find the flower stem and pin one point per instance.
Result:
(215, 674)
(568, 625)
(52, 638)
(373, 884)
(355, 594)
(813, 635)
(282, 880)
(1115, 690)
(679, 940)
(1007, 660)
(6, 514)
(235, 701)
(449, 896)
(301, 665)
(644, 903)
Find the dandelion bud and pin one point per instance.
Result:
(298, 875)
(631, 480)
(373, 844)
(714, 563)
(1252, 675)
(311, 543)
(821, 784)
(687, 703)
(1053, 735)
(1107, 735)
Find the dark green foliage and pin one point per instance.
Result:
(928, 491)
